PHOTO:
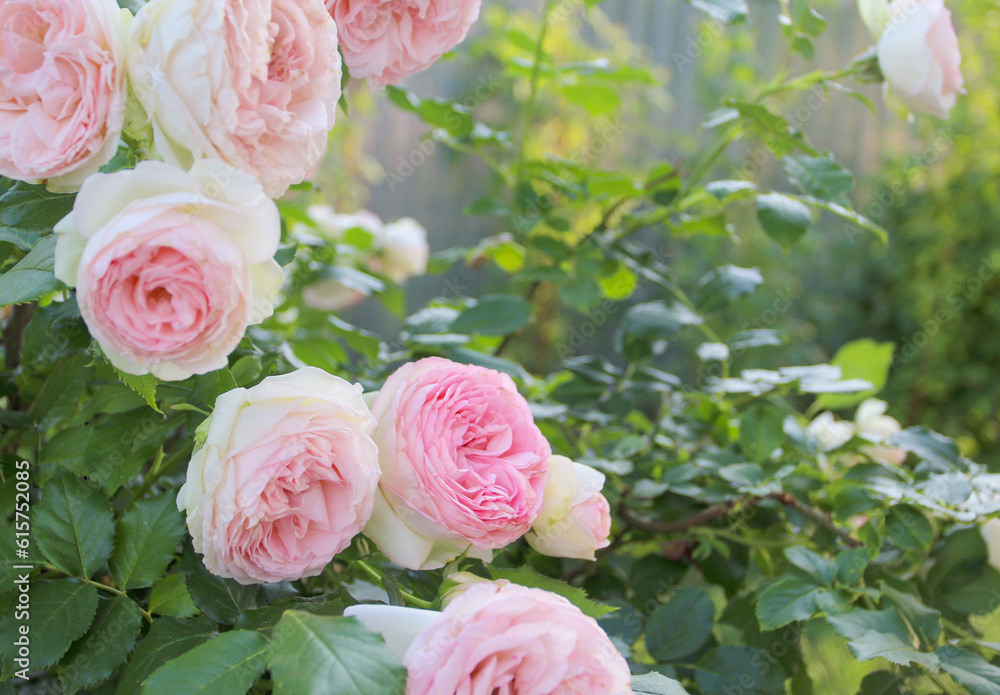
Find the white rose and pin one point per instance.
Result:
(991, 534)
(404, 251)
(919, 55)
(575, 520)
(829, 433)
(873, 424)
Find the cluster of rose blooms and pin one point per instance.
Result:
(446, 462)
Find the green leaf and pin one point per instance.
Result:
(170, 597)
(144, 385)
(324, 655)
(926, 622)
(61, 611)
(656, 684)
(785, 601)
(32, 208)
(908, 528)
(970, 670)
(145, 541)
(936, 449)
(816, 566)
(647, 327)
(22, 240)
(873, 644)
(861, 359)
(783, 219)
(228, 663)
(744, 670)
(73, 525)
(31, 278)
(851, 565)
(220, 599)
(726, 11)
(167, 639)
(722, 285)
(525, 576)
(680, 626)
(761, 431)
(820, 177)
(104, 648)
(856, 622)
(494, 315)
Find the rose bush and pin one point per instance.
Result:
(589, 479)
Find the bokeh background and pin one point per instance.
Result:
(933, 291)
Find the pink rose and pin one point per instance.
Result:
(254, 83)
(388, 40)
(575, 520)
(463, 464)
(919, 56)
(284, 479)
(62, 89)
(505, 639)
(171, 267)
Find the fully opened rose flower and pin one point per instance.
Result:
(171, 267)
(575, 520)
(919, 55)
(385, 41)
(254, 83)
(501, 639)
(285, 477)
(62, 88)
(463, 464)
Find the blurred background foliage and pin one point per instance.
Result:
(934, 185)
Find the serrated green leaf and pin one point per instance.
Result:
(170, 597)
(144, 385)
(32, 208)
(32, 277)
(228, 663)
(494, 315)
(820, 177)
(656, 684)
(525, 576)
(324, 655)
(816, 566)
(729, 670)
(785, 601)
(145, 541)
(873, 644)
(73, 525)
(970, 670)
(104, 648)
(61, 610)
(167, 639)
(220, 599)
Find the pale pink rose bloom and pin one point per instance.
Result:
(385, 41)
(501, 639)
(463, 464)
(170, 267)
(285, 477)
(575, 520)
(874, 425)
(403, 251)
(919, 56)
(254, 83)
(62, 89)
